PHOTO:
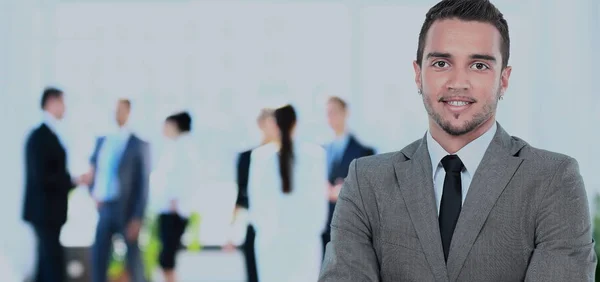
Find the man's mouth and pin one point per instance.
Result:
(457, 103)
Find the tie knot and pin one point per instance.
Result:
(452, 163)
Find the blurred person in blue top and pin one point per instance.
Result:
(175, 176)
(119, 176)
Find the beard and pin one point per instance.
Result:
(468, 126)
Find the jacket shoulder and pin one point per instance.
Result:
(378, 167)
(245, 154)
(543, 158)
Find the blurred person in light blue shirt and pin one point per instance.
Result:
(118, 181)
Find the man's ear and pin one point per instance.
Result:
(504, 78)
(417, 75)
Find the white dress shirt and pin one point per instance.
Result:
(176, 176)
(470, 155)
(107, 187)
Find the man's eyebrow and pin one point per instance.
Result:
(438, 55)
(473, 57)
(483, 57)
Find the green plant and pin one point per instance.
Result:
(151, 249)
(194, 228)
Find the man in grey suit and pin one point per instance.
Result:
(120, 172)
(467, 202)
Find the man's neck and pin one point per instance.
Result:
(453, 144)
(122, 127)
(340, 132)
(51, 116)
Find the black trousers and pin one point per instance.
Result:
(51, 265)
(249, 255)
(171, 228)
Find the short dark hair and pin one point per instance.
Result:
(126, 102)
(182, 120)
(466, 10)
(49, 94)
(339, 101)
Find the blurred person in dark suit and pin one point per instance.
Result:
(47, 185)
(176, 175)
(119, 179)
(340, 152)
(268, 128)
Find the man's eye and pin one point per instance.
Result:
(440, 64)
(479, 66)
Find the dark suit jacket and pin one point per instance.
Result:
(243, 169)
(353, 151)
(47, 181)
(134, 176)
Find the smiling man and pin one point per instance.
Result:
(467, 202)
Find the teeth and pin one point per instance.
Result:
(458, 103)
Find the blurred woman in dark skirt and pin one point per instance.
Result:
(176, 174)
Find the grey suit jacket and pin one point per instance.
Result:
(134, 174)
(525, 218)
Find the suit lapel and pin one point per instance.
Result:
(126, 155)
(55, 137)
(414, 178)
(491, 178)
(343, 160)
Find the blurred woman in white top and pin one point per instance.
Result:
(176, 177)
(287, 189)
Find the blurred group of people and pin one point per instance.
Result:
(288, 188)
(466, 202)
(118, 181)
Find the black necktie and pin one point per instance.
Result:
(451, 200)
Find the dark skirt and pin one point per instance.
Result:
(171, 228)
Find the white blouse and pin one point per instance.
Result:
(176, 176)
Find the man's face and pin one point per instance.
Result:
(336, 115)
(122, 113)
(461, 76)
(60, 107)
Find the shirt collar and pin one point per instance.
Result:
(182, 138)
(123, 131)
(471, 154)
(342, 140)
(51, 122)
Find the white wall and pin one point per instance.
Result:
(23, 71)
(254, 53)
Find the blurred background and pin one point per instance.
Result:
(225, 60)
